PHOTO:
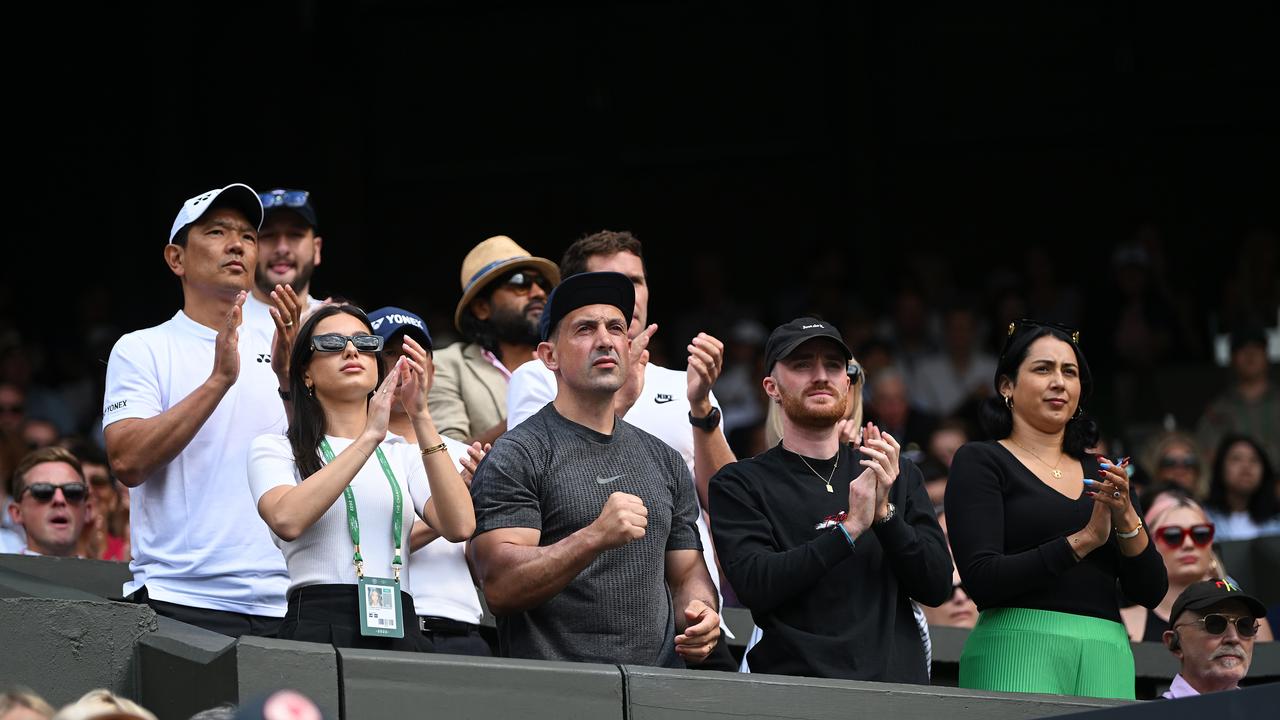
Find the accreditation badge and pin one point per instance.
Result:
(380, 607)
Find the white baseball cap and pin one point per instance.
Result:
(238, 195)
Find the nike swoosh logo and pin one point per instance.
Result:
(663, 400)
(606, 481)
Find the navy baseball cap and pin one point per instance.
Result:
(388, 321)
(298, 201)
(591, 288)
(787, 337)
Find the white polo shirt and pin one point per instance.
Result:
(258, 313)
(661, 410)
(197, 538)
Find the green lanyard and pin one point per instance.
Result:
(353, 521)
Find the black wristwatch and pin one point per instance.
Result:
(708, 423)
(285, 395)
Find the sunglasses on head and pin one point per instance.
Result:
(43, 492)
(522, 281)
(335, 342)
(1216, 624)
(1168, 463)
(1030, 324)
(284, 198)
(1174, 535)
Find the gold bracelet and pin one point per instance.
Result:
(433, 449)
(1129, 534)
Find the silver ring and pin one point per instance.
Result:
(288, 324)
(1116, 494)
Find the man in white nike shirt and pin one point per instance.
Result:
(678, 407)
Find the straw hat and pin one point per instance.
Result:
(492, 258)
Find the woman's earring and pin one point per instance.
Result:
(1008, 401)
(1079, 412)
(311, 391)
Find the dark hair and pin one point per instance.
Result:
(1262, 504)
(605, 242)
(308, 426)
(996, 417)
(479, 331)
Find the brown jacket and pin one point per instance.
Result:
(469, 395)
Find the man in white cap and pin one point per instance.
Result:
(183, 401)
(504, 289)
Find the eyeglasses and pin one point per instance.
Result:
(1169, 463)
(284, 198)
(523, 281)
(1216, 624)
(43, 492)
(1070, 332)
(1174, 535)
(333, 342)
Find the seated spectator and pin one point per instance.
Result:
(959, 375)
(19, 704)
(1214, 625)
(946, 439)
(102, 704)
(50, 501)
(1183, 536)
(959, 610)
(106, 536)
(1173, 458)
(1251, 405)
(13, 408)
(37, 433)
(935, 481)
(890, 409)
(1242, 491)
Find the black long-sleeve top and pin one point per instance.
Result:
(1009, 530)
(827, 609)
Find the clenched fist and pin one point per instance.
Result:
(623, 519)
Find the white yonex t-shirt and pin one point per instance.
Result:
(196, 536)
(441, 584)
(662, 410)
(322, 554)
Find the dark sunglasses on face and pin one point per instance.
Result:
(284, 198)
(1174, 535)
(523, 281)
(955, 588)
(1169, 463)
(1216, 624)
(333, 342)
(43, 492)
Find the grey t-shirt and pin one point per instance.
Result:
(554, 475)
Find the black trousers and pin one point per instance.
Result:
(451, 637)
(232, 624)
(328, 614)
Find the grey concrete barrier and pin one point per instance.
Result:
(183, 669)
(655, 694)
(378, 685)
(264, 665)
(63, 648)
(96, 577)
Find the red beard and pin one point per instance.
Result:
(793, 405)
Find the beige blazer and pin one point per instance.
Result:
(469, 395)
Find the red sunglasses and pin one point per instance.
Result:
(1174, 535)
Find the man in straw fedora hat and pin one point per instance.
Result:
(504, 289)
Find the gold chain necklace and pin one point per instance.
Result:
(826, 480)
(1057, 474)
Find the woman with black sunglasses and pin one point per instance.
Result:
(1183, 536)
(1041, 531)
(340, 500)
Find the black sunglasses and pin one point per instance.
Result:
(1168, 463)
(955, 588)
(1030, 324)
(1174, 535)
(284, 198)
(1216, 624)
(522, 281)
(75, 492)
(335, 342)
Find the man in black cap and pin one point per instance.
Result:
(586, 542)
(1212, 626)
(288, 251)
(1251, 405)
(827, 545)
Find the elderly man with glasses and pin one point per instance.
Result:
(1211, 633)
(50, 501)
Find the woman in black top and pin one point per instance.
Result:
(1041, 531)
